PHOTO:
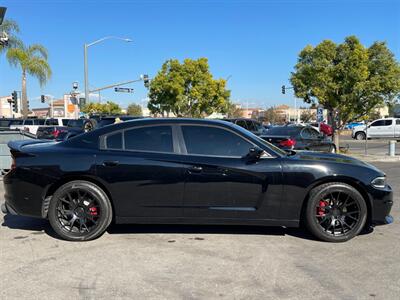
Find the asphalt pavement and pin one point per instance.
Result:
(373, 147)
(199, 262)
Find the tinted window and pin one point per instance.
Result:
(114, 141)
(51, 122)
(65, 122)
(40, 121)
(285, 130)
(388, 122)
(28, 122)
(16, 122)
(75, 123)
(250, 126)
(205, 140)
(151, 138)
(4, 123)
(382, 123)
(241, 123)
(398, 122)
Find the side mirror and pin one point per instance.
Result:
(254, 154)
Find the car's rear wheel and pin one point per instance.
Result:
(80, 211)
(360, 136)
(336, 212)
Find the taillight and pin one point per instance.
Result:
(289, 143)
(56, 133)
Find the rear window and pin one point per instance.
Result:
(75, 123)
(284, 130)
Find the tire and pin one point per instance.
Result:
(360, 136)
(83, 215)
(332, 149)
(323, 217)
(90, 125)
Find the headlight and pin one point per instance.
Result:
(379, 182)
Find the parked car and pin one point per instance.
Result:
(251, 125)
(324, 128)
(190, 171)
(32, 125)
(5, 123)
(50, 132)
(299, 138)
(350, 126)
(100, 121)
(382, 128)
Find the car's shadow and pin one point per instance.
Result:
(41, 225)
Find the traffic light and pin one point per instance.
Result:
(14, 101)
(283, 89)
(42, 98)
(146, 80)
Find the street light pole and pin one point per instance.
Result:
(85, 47)
(86, 73)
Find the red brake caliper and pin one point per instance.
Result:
(321, 209)
(93, 211)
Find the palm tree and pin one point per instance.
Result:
(33, 61)
(10, 27)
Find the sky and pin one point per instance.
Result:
(254, 44)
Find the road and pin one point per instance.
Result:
(200, 262)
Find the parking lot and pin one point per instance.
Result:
(199, 262)
(375, 147)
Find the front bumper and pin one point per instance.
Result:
(381, 205)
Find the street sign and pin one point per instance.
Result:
(123, 90)
(320, 114)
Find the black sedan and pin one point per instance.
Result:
(188, 171)
(299, 137)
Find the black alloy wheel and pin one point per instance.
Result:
(336, 212)
(80, 210)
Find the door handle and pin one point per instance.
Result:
(195, 169)
(110, 163)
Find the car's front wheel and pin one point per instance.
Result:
(80, 211)
(336, 212)
(360, 136)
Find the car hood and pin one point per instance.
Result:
(331, 158)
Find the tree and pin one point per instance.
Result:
(271, 116)
(33, 61)
(134, 110)
(347, 78)
(10, 27)
(234, 111)
(307, 115)
(187, 90)
(108, 108)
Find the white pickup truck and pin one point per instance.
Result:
(32, 125)
(381, 128)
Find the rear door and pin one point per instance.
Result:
(142, 169)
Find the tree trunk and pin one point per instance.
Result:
(24, 98)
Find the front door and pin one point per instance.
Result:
(220, 183)
(141, 169)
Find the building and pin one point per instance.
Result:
(6, 109)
